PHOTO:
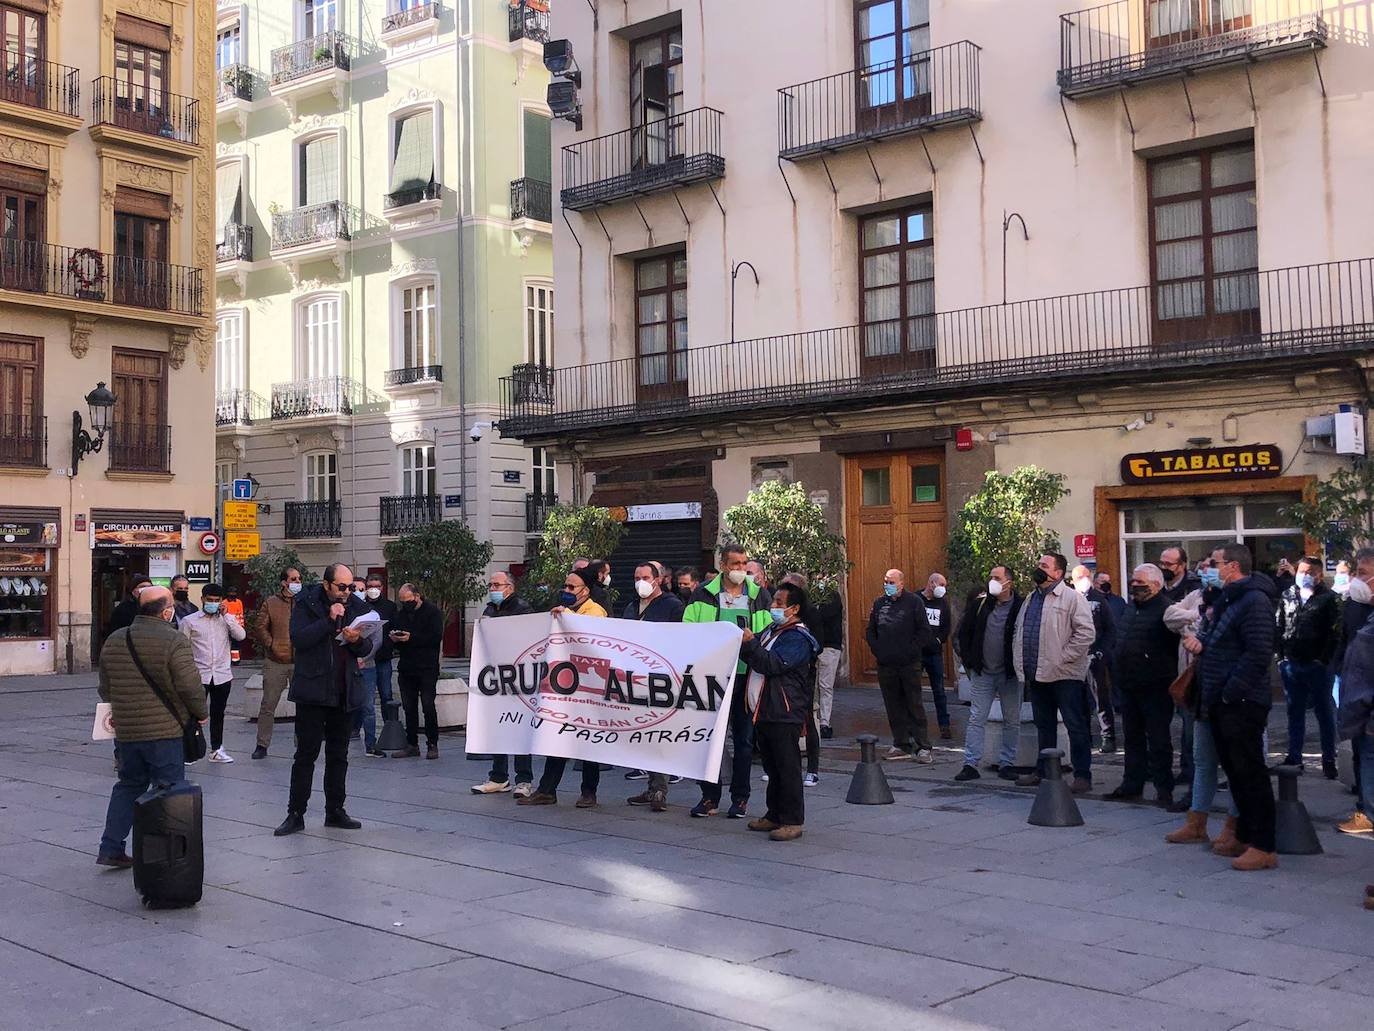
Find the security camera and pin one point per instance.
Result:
(478, 430)
(1134, 424)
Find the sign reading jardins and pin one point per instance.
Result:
(1246, 462)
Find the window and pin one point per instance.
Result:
(545, 486)
(319, 338)
(661, 325)
(228, 48)
(538, 149)
(418, 476)
(21, 401)
(22, 227)
(319, 17)
(412, 157)
(1201, 524)
(655, 96)
(897, 290)
(142, 226)
(22, 48)
(226, 472)
(419, 346)
(231, 372)
(141, 64)
(228, 198)
(1168, 22)
(318, 181)
(321, 476)
(1204, 255)
(138, 432)
(539, 324)
(891, 41)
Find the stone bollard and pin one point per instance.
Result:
(869, 786)
(1294, 834)
(1054, 805)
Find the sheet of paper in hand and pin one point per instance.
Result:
(104, 728)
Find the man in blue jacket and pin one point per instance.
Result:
(1236, 648)
(327, 688)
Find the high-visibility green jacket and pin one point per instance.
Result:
(705, 607)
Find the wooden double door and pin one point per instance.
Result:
(895, 519)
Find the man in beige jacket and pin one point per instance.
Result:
(1051, 649)
(273, 632)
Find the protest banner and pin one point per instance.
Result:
(652, 696)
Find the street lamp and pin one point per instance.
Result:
(99, 402)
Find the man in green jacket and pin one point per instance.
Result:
(732, 597)
(147, 736)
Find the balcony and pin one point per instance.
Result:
(531, 199)
(237, 244)
(137, 447)
(40, 93)
(239, 408)
(529, 19)
(236, 90)
(313, 520)
(23, 441)
(412, 201)
(933, 89)
(152, 119)
(322, 396)
(1128, 42)
(313, 233)
(537, 508)
(409, 512)
(659, 155)
(416, 375)
(311, 67)
(1294, 315)
(89, 276)
(408, 24)
(532, 384)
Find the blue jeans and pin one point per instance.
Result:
(1205, 770)
(934, 665)
(1307, 685)
(1363, 755)
(377, 679)
(986, 687)
(142, 764)
(1066, 699)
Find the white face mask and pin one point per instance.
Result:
(938, 592)
(294, 588)
(373, 593)
(994, 588)
(644, 588)
(605, 581)
(1082, 584)
(737, 576)
(1360, 592)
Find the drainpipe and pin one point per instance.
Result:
(461, 124)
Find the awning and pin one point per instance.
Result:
(413, 168)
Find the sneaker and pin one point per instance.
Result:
(1108, 746)
(219, 755)
(375, 753)
(587, 801)
(737, 810)
(925, 757)
(408, 752)
(524, 790)
(704, 808)
(826, 732)
(1357, 824)
(636, 775)
(537, 798)
(764, 776)
(968, 773)
(119, 861)
(642, 798)
(674, 779)
(432, 752)
(896, 755)
(658, 801)
(259, 752)
(490, 787)
(810, 780)
(1028, 780)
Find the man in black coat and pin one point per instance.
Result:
(418, 635)
(1309, 628)
(897, 634)
(1104, 626)
(1146, 660)
(830, 610)
(123, 614)
(933, 657)
(327, 688)
(503, 601)
(984, 644)
(652, 605)
(1355, 612)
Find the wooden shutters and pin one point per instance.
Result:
(138, 435)
(897, 291)
(21, 401)
(661, 327)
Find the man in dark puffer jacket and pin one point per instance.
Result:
(1146, 661)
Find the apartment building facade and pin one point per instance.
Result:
(384, 256)
(922, 239)
(106, 301)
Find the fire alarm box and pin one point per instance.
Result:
(1349, 431)
(963, 439)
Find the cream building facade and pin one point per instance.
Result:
(106, 277)
(918, 241)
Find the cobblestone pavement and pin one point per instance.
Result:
(447, 910)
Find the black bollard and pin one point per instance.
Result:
(1294, 834)
(869, 786)
(1054, 805)
(393, 735)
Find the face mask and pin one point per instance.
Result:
(168, 615)
(1105, 588)
(1140, 595)
(211, 607)
(567, 599)
(778, 615)
(737, 576)
(1340, 583)
(294, 588)
(939, 592)
(994, 588)
(1040, 576)
(890, 590)
(373, 593)
(644, 588)
(1082, 585)
(1211, 577)
(605, 581)
(497, 597)
(410, 606)
(360, 595)
(181, 595)
(1305, 581)
(1360, 592)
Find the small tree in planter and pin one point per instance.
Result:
(444, 561)
(265, 570)
(1004, 524)
(786, 531)
(570, 532)
(1339, 511)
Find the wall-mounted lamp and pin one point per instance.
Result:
(99, 403)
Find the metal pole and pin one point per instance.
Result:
(734, 274)
(1006, 224)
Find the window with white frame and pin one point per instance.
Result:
(418, 471)
(319, 17)
(542, 463)
(319, 337)
(231, 358)
(539, 324)
(317, 179)
(412, 156)
(419, 324)
(226, 472)
(228, 46)
(321, 476)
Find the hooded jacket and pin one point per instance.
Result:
(786, 669)
(512, 606)
(1308, 629)
(1237, 638)
(705, 607)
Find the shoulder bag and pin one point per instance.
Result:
(192, 738)
(1183, 690)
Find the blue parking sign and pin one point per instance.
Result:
(243, 490)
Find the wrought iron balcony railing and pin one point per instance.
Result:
(128, 105)
(86, 274)
(239, 408)
(30, 82)
(237, 244)
(329, 222)
(530, 198)
(674, 151)
(928, 90)
(414, 374)
(313, 520)
(325, 395)
(322, 53)
(532, 384)
(396, 18)
(537, 508)
(1127, 42)
(140, 447)
(408, 512)
(233, 82)
(412, 195)
(529, 21)
(23, 440)
(1293, 313)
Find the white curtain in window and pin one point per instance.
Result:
(230, 371)
(228, 189)
(321, 339)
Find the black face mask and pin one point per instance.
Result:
(410, 606)
(181, 595)
(1105, 588)
(1040, 577)
(1140, 595)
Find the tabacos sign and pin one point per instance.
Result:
(1247, 462)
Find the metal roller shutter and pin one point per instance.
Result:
(676, 542)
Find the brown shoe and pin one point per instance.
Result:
(1193, 831)
(587, 801)
(408, 752)
(432, 752)
(1081, 786)
(791, 832)
(1225, 843)
(1369, 903)
(640, 799)
(946, 734)
(1254, 859)
(538, 798)
(658, 801)
(1357, 824)
(763, 825)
